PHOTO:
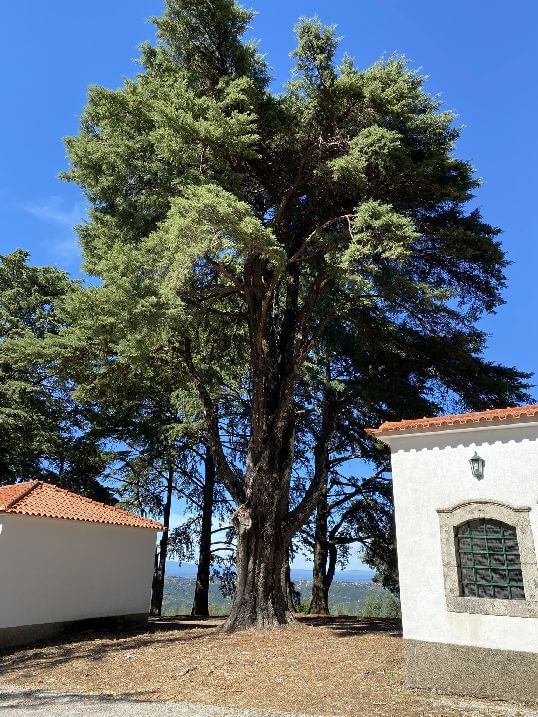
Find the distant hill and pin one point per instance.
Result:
(342, 576)
(187, 570)
(345, 598)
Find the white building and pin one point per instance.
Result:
(466, 501)
(68, 561)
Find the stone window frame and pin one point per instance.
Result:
(518, 517)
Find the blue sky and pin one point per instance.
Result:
(480, 57)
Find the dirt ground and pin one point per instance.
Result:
(345, 667)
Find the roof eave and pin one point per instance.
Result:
(157, 527)
(387, 436)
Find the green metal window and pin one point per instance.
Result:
(489, 564)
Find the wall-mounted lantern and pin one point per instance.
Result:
(477, 466)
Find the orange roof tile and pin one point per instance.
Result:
(11, 493)
(459, 419)
(49, 501)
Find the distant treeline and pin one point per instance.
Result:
(365, 599)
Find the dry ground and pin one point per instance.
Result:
(350, 667)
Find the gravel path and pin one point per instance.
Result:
(43, 703)
(16, 702)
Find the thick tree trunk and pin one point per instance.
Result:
(319, 604)
(263, 537)
(279, 345)
(200, 605)
(262, 521)
(260, 599)
(157, 592)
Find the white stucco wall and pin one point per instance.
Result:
(431, 471)
(57, 570)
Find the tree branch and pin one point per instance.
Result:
(357, 491)
(236, 281)
(298, 254)
(226, 474)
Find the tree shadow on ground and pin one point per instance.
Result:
(95, 645)
(24, 699)
(98, 643)
(348, 626)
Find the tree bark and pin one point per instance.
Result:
(200, 604)
(260, 596)
(157, 592)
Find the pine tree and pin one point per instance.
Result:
(231, 226)
(46, 434)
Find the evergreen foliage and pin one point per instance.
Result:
(46, 434)
(275, 271)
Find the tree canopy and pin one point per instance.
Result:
(242, 237)
(46, 434)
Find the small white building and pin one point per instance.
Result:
(68, 561)
(466, 502)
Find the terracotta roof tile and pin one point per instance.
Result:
(49, 501)
(460, 419)
(11, 493)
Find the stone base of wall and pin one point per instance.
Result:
(29, 634)
(473, 671)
